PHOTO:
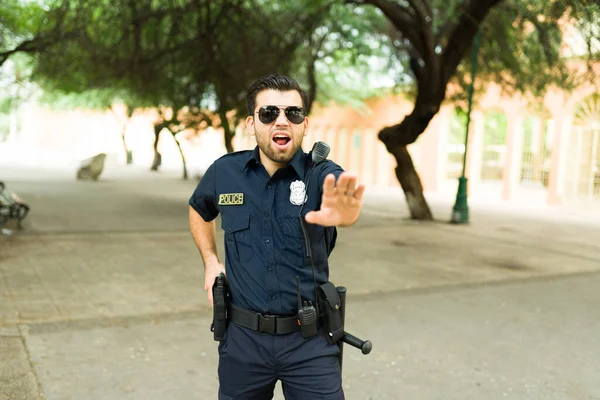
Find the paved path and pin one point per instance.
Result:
(100, 297)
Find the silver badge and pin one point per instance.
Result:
(298, 193)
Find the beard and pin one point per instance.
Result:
(268, 148)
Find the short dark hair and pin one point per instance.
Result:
(276, 82)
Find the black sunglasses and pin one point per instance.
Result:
(268, 114)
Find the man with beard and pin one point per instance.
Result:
(261, 196)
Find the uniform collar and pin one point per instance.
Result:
(298, 162)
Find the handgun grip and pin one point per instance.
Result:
(219, 289)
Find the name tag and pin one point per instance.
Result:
(231, 199)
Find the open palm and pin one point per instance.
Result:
(341, 202)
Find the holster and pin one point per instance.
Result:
(220, 292)
(330, 304)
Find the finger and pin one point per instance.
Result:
(358, 195)
(208, 288)
(342, 184)
(329, 185)
(346, 183)
(351, 188)
(312, 217)
(316, 217)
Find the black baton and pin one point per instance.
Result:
(342, 293)
(365, 346)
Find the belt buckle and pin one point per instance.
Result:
(266, 324)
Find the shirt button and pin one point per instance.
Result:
(270, 268)
(267, 241)
(267, 215)
(268, 186)
(274, 296)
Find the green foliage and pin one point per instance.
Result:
(526, 47)
(534, 39)
(18, 21)
(197, 56)
(201, 55)
(353, 56)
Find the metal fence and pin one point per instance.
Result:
(535, 162)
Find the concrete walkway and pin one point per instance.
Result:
(105, 276)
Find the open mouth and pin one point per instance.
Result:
(281, 140)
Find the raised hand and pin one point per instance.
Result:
(341, 202)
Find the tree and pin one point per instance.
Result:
(24, 29)
(521, 49)
(147, 50)
(29, 27)
(192, 60)
(253, 44)
(348, 58)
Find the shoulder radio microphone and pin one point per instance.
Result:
(319, 152)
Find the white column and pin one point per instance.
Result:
(514, 153)
(556, 179)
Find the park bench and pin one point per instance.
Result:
(11, 207)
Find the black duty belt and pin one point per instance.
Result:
(272, 324)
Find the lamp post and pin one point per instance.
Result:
(460, 212)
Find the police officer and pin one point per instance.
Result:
(260, 196)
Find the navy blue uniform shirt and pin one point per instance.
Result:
(264, 244)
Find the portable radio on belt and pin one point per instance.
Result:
(307, 315)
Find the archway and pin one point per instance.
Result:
(586, 121)
(537, 142)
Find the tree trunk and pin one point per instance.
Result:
(396, 139)
(227, 132)
(411, 185)
(128, 153)
(432, 71)
(128, 156)
(157, 156)
(128, 114)
(185, 171)
(312, 83)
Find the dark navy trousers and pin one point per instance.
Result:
(250, 363)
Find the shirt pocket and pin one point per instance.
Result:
(295, 242)
(237, 236)
(293, 239)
